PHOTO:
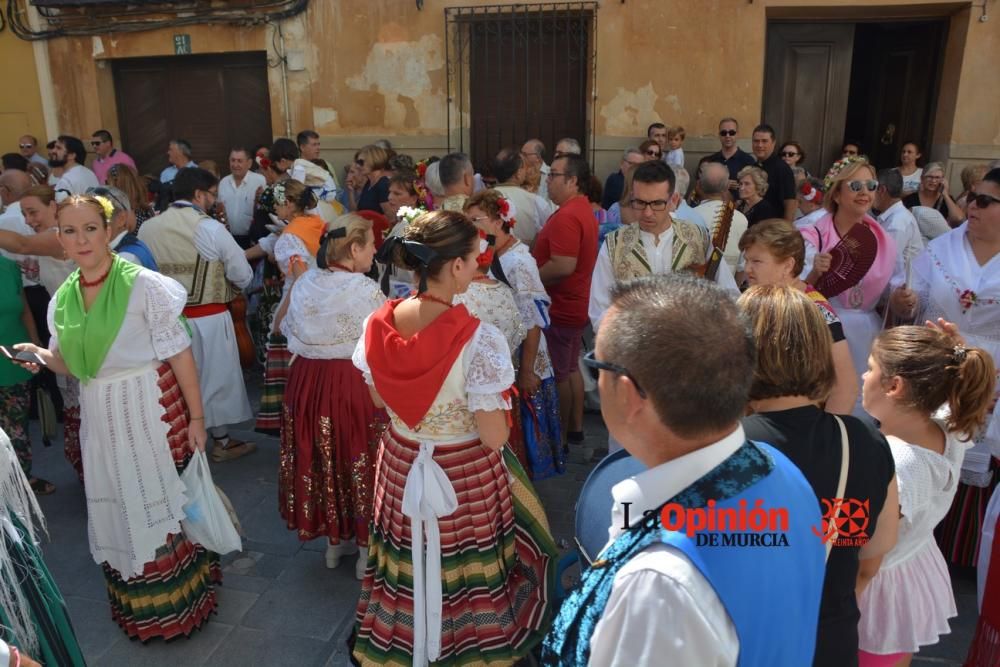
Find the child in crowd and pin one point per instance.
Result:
(675, 140)
(913, 371)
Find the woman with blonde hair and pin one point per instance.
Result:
(774, 254)
(841, 457)
(127, 179)
(330, 426)
(850, 258)
(373, 161)
(912, 372)
(752, 185)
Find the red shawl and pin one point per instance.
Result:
(409, 372)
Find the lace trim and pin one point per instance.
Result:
(488, 369)
(164, 304)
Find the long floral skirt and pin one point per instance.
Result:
(329, 439)
(15, 407)
(276, 369)
(175, 594)
(71, 424)
(497, 561)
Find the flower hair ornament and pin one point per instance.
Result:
(324, 243)
(507, 211)
(106, 206)
(810, 193)
(262, 161)
(488, 257)
(838, 167)
(958, 353)
(278, 192)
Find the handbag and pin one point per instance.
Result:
(206, 520)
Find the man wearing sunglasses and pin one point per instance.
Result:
(107, 155)
(731, 155)
(674, 362)
(27, 146)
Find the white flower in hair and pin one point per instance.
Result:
(409, 214)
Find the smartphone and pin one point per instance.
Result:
(21, 356)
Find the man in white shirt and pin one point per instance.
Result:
(27, 146)
(658, 243)
(684, 210)
(895, 218)
(202, 255)
(674, 364)
(70, 154)
(714, 182)
(531, 210)
(237, 193)
(533, 154)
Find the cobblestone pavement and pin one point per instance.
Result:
(278, 604)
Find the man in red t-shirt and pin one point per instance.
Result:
(566, 251)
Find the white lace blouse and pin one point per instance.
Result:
(531, 298)
(476, 381)
(494, 303)
(151, 331)
(327, 311)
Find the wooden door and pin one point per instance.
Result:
(213, 101)
(529, 77)
(894, 87)
(807, 79)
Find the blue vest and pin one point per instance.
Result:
(771, 593)
(130, 243)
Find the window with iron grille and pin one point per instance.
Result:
(517, 72)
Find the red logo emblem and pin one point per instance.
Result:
(845, 520)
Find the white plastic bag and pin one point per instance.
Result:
(207, 522)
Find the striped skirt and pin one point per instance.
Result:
(497, 561)
(276, 369)
(329, 440)
(175, 594)
(961, 530)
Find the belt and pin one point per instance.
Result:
(205, 309)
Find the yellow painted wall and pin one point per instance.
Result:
(21, 102)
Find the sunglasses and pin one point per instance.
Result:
(789, 154)
(595, 366)
(26, 146)
(654, 153)
(96, 143)
(857, 186)
(727, 133)
(982, 200)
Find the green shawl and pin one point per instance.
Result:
(85, 336)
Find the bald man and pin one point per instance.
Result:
(714, 182)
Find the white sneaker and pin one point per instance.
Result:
(362, 564)
(334, 552)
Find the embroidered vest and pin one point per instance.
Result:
(170, 238)
(130, 243)
(771, 594)
(628, 257)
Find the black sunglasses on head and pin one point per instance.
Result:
(595, 366)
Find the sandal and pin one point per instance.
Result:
(233, 449)
(41, 487)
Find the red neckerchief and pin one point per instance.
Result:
(409, 372)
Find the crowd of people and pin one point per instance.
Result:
(806, 352)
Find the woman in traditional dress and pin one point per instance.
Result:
(117, 327)
(775, 254)
(294, 250)
(913, 371)
(957, 278)
(866, 257)
(465, 526)
(34, 621)
(538, 412)
(330, 428)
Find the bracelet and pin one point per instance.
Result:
(196, 419)
(17, 656)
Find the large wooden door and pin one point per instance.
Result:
(214, 101)
(807, 79)
(893, 84)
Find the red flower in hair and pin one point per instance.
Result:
(421, 169)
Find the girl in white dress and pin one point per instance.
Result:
(913, 371)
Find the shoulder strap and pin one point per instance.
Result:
(845, 462)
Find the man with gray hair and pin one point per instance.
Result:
(614, 186)
(715, 209)
(895, 218)
(122, 226)
(684, 210)
(537, 176)
(179, 157)
(530, 210)
(568, 146)
(457, 179)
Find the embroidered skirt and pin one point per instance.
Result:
(539, 424)
(329, 438)
(15, 406)
(276, 369)
(174, 593)
(497, 561)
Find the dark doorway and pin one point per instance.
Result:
(528, 70)
(874, 83)
(213, 101)
(894, 83)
